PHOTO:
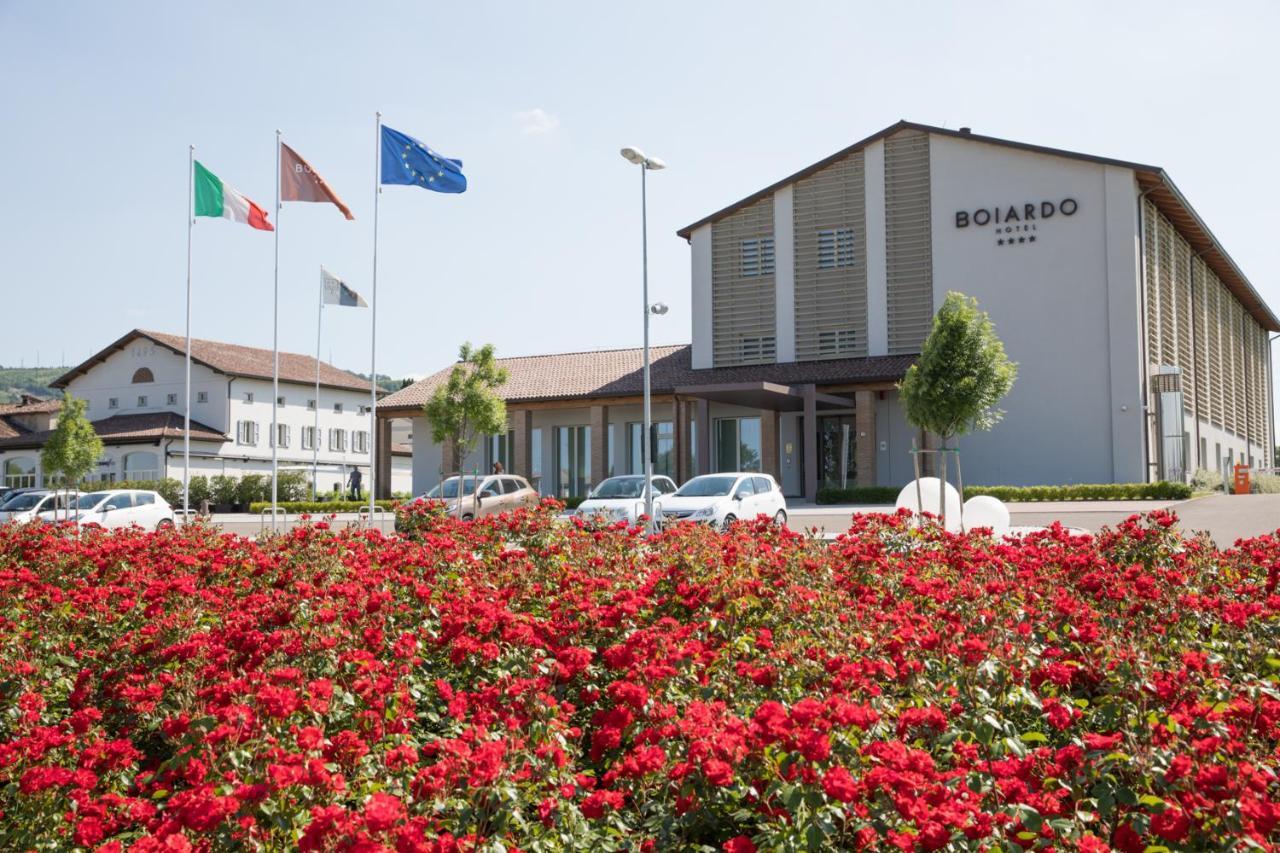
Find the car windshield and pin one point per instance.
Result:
(620, 487)
(449, 488)
(91, 500)
(25, 501)
(706, 487)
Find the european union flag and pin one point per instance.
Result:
(405, 160)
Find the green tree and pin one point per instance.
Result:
(961, 376)
(467, 406)
(74, 448)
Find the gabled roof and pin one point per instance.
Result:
(230, 359)
(126, 429)
(619, 373)
(1153, 181)
(11, 426)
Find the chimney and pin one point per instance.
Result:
(966, 130)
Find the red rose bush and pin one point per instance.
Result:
(519, 683)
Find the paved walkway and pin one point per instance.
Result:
(1225, 517)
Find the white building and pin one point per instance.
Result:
(134, 394)
(1142, 347)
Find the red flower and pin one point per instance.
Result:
(717, 772)
(739, 844)
(383, 811)
(840, 785)
(1172, 824)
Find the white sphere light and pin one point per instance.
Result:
(986, 511)
(910, 498)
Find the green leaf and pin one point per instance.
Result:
(1033, 737)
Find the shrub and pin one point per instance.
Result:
(291, 486)
(323, 506)
(198, 490)
(1265, 484)
(516, 682)
(1204, 480)
(252, 487)
(868, 495)
(223, 489)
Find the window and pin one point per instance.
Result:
(143, 374)
(113, 403)
(757, 257)
(311, 405)
(338, 440)
(760, 348)
(663, 458)
(535, 454)
(501, 448)
(737, 444)
(247, 432)
(510, 485)
(309, 438)
(282, 435)
(835, 342)
(248, 396)
(141, 465)
(279, 401)
(20, 473)
(171, 399)
(364, 410)
(573, 460)
(143, 498)
(360, 441)
(202, 396)
(835, 248)
(142, 401)
(337, 408)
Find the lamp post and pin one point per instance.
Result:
(638, 157)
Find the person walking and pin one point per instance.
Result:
(353, 483)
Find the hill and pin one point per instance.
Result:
(16, 381)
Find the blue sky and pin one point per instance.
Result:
(100, 101)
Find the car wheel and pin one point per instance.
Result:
(164, 524)
(728, 520)
(466, 516)
(780, 518)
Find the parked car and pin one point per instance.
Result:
(622, 498)
(484, 495)
(121, 508)
(29, 503)
(721, 499)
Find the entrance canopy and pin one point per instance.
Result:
(764, 395)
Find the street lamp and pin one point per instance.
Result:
(646, 164)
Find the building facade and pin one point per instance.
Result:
(134, 394)
(1142, 348)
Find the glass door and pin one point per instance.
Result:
(573, 461)
(737, 443)
(837, 439)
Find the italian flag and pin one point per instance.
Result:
(214, 198)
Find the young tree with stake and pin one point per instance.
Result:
(74, 448)
(961, 376)
(467, 406)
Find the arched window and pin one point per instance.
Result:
(20, 473)
(143, 374)
(141, 465)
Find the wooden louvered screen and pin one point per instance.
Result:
(908, 240)
(743, 313)
(1150, 237)
(1182, 316)
(829, 213)
(1217, 402)
(1200, 337)
(1164, 276)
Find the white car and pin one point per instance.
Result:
(622, 498)
(721, 499)
(121, 508)
(26, 505)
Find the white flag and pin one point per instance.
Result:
(336, 291)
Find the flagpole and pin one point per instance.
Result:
(315, 430)
(373, 311)
(275, 353)
(186, 397)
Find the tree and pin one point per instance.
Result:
(74, 448)
(467, 406)
(961, 376)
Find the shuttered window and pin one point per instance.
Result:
(908, 240)
(743, 313)
(829, 215)
(1150, 237)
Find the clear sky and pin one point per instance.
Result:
(100, 101)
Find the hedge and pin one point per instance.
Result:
(323, 507)
(1161, 491)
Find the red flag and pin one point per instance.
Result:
(299, 182)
